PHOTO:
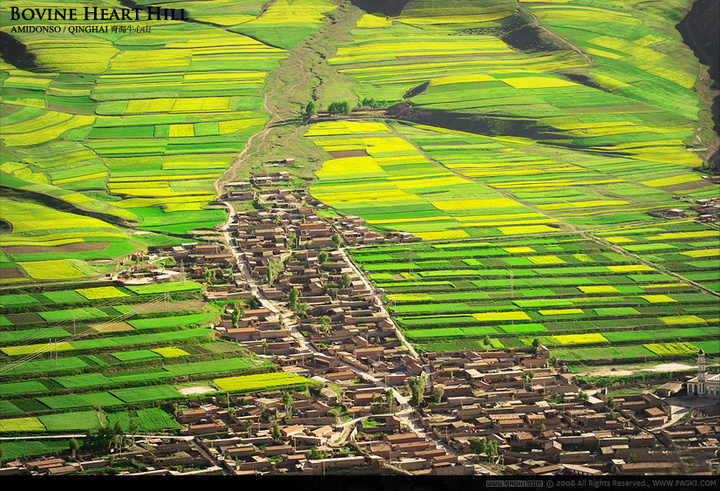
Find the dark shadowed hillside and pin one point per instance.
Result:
(701, 31)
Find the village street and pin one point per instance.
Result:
(406, 415)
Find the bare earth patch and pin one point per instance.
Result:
(341, 154)
(631, 370)
(200, 389)
(112, 327)
(76, 247)
(671, 367)
(8, 273)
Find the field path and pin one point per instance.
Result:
(378, 301)
(288, 88)
(572, 46)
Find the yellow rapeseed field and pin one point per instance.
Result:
(501, 316)
(100, 292)
(445, 234)
(580, 338)
(52, 269)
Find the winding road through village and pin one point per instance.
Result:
(406, 413)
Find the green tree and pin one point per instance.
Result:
(310, 109)
(536, 344)
(293, 297)
(276, 432)
(438, 393)
(493, 452)
(417, 390)
(339, 108)
(322, 257)
(301, 308)
(73, 446)
(325, 324)
(287, 402)
(133, 429)
(486, 341)
(337, 241)
(478, 446)
(314, 454)
(274, 268)
(236, 316)
(106, 438)
(346, 280)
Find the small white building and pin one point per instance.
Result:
(705, 384)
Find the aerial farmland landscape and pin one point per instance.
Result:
(406, 239)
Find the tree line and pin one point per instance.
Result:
(341, 107)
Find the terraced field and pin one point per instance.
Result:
(71, 360)
(549, 130)
(385, 179)
(134, 128)
(579, 187)
(570, 258)
(572, 293)
(597, 79)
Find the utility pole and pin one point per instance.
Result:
(411, 270)
(512, 297)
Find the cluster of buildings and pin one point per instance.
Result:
(305, 435)
(302, 304)
(191, 260)
(541, 421)
(707, 209)
(147, 456)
